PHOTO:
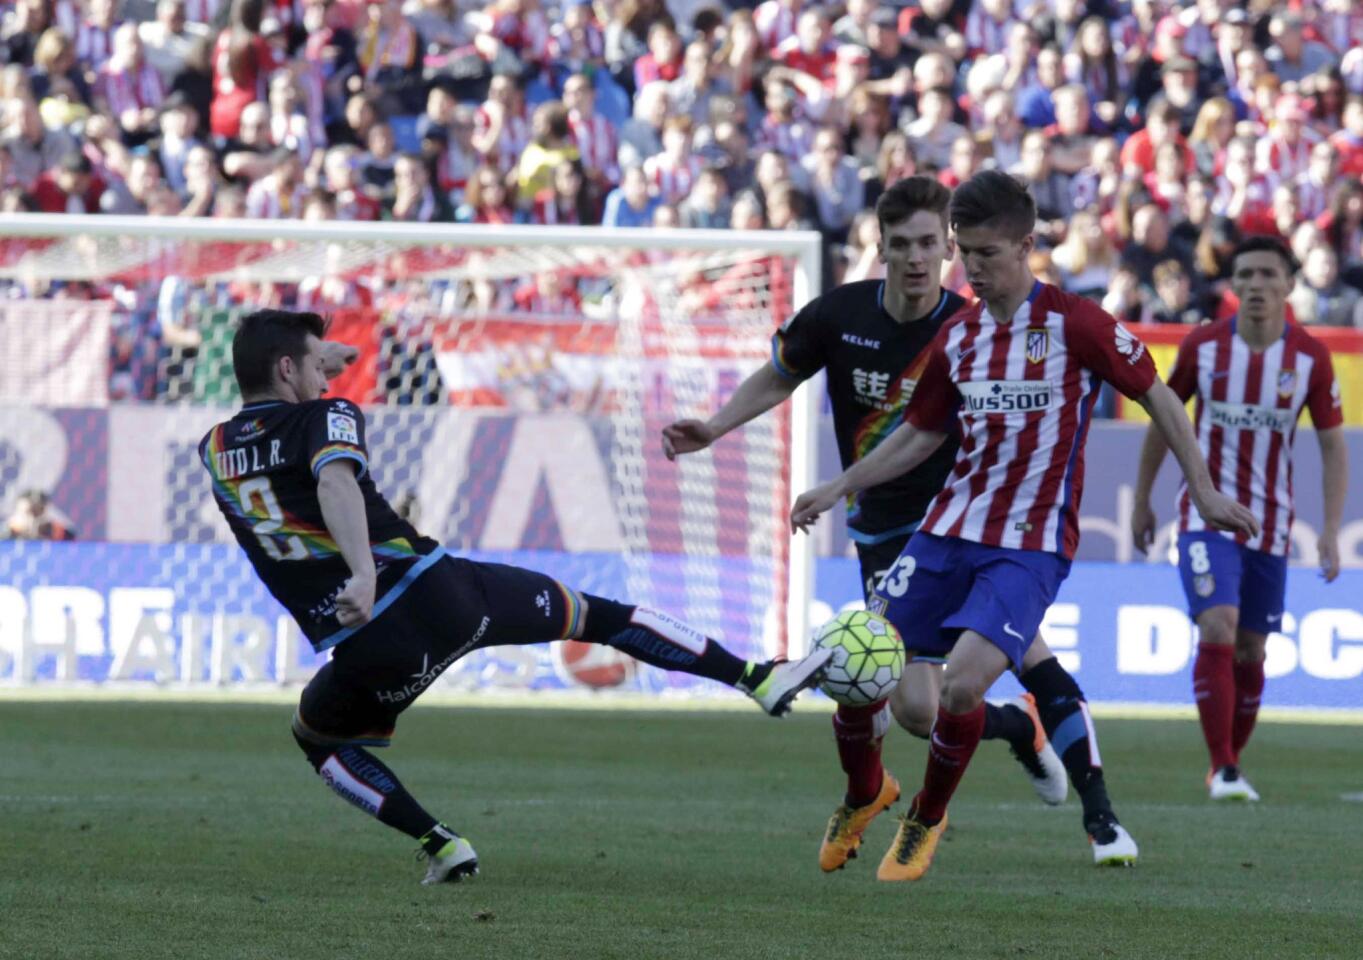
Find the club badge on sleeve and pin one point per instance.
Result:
(341, 428)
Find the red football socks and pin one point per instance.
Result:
(954, 739)
(1249, 687)
(1214, 689)
(858, 738)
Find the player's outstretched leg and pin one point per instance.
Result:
(360, 778)
(858, 732)
(1064, 713)
(664, 641)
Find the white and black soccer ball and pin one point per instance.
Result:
(867, 661)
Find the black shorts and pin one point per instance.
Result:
(876, 559)
(455, 607)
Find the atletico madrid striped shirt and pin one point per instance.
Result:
(1248, 404)
(1023, 390)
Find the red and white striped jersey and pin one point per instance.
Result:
(1023, 392)
(1277, 158)
(512, 142)
(125, 90)
(1313, 198)
(671, 180)
(984, 34)
(597, 144)
(1248, 404)
(775, 22)
(94, 45)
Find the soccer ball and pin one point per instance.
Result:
(867, 661)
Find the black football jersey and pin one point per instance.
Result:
(264, 464)
(873, 365)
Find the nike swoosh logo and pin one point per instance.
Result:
(1008, 629)
(1275, 618)
(937, 741)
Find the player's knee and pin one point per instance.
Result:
(1217, 625)
(910, 715)
(962, 693)
(1250, 647)
(315, 753)
(605, 618)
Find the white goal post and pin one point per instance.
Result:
(513, 372)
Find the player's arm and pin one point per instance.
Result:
(1143, 520)
(343, 512)
(1219, 511)
(766, 388)
(1334, 457)
(899, 453)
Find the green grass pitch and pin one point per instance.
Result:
(196, 830)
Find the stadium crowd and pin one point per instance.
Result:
(1153, 134)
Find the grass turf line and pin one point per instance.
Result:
(146, 830)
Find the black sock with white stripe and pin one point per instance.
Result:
(662, 640)
(1064, 714)
(361, 779)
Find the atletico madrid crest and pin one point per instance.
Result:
(1038, 345)
(1287, 383)
(1204, 585)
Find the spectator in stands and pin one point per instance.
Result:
(130, 197)
(664, 58)
(1211, 134)
(787, 209)
(593, 133)
(672, 172)
(377, 163)
(201, 182)
(1000, 138)
(33, 148)
(341, 177)
(1243, 195)
(168, 40)
(486, 199)
(1086, 261)
(1343, 222)
(1035, 103)
(570, 201)
(1212, 261)
(242, 58)
(854, 25)
(835, 183)
(1166, 183)
(870, 121)
(741, 56)
(551, 143)
(746, 213)
(1161, 126)
(692, 92)
(1173, 302)
(965, 162)
(641, 135)
(501, 131)
(707, 207)
(1150, 245)
(177, 122)
(246, 158)
(1198, 194)
(279, 194)
(69, 187)
(36, 518)
(730, 153)
(810, 51)
(1284, 154)
(22, 26)
(1093, 63)
(782, 128)
(389, 55)
(1320, 298)
(1292, 57)
(895, 161)
(1073, 134)
(413, 199)
(934, 131)
(1048, 187)
(630, 204)
(95, 35)
(626, 37)
(666, 217)
(891, 66)
(289, 124)
(54, 57)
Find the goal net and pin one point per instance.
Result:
(515, 380)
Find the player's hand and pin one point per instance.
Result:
(355, 602)
(1222, 513)
(337, 356)
(686, 436)
(1143, 527)
(810, 504)
(1327, 547)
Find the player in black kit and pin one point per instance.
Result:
(870, 338)
(290, 472)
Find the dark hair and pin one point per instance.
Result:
(994, 198)
(1267, 244)
(263, 337)
(908, 196)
